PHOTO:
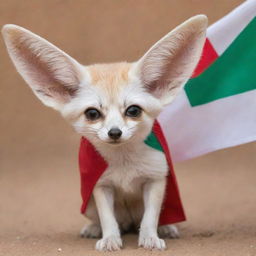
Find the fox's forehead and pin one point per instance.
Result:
(110, 77)
(116, 85)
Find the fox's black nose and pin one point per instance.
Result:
(114, 133)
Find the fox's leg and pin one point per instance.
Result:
(111, 239)
(153, 193)
(168, 231)
(92, 229)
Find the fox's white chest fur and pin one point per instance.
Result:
(132, 165)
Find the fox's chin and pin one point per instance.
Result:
(115, 143)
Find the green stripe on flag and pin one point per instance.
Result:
(232, 73)
(153, 142)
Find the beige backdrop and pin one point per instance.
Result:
(39, 181)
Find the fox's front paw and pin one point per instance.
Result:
(152, 242)
(110, 243)
(168, 231)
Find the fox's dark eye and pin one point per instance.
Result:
(133, 111)
(92, 114)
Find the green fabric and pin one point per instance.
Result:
(234, 72)
(153, 142)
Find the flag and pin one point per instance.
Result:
(217, 108)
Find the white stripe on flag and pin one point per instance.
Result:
(194, 131)
(222, 33)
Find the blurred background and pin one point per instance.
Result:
(39, 179)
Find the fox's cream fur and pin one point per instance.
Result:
(114, 107)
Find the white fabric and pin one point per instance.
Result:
(224, 31)
(191, 132)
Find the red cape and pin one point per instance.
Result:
(92, 165)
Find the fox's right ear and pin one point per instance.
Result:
(53, 75)
(168, 64)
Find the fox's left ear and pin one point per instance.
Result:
(53, 75)
(167, 66)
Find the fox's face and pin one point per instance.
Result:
(108, 103)
(112, 106)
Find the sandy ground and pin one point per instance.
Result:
(39, 210)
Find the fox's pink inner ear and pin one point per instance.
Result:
(52, 74)
(167, 66)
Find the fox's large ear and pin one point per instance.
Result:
(53, 75)
(167, 66)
